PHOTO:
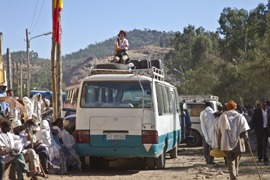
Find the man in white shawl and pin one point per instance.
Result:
(9, 153)
(231, 131)
(207, 119)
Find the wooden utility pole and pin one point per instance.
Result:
(21, 79)
(2, 70)
(9, 71)
(56, 60)
(53, 69)
(59, 76)
(28, 64)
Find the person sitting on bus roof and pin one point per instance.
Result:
(121, 48)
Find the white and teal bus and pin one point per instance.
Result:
(127, 114)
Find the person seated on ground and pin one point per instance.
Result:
(45, 105)
(67, 145)
(37, 104)
(121, 48)
(56, 156)
(31, 129)
(20, 141)
(8, 152)
(29, 109)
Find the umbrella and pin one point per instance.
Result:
(12, 102)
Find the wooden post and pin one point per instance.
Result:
(2, 70)
(21, 79)
(59, 76)
(53, 68)
(28, 64)
(9, 70)
(59, 81)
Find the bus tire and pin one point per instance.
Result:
(173, 152)
(150, 163)
(197, 141)
(112, 66)
(161, 160)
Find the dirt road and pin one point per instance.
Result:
(189, 165)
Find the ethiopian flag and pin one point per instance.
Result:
(57, 8)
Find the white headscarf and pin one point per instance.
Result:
(29, 108)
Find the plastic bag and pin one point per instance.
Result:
(217, 153)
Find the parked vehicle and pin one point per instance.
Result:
(72, 96)
(195, 105)
(46, 94)
(127, 114)
(186, 125)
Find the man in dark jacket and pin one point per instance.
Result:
(259, 123)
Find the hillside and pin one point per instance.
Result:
(143, 44)
(137, 38)
(75, 73)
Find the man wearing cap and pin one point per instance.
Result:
(260, 125)
(232, 128)
(3, 105)
(9, 153)
(121, 48)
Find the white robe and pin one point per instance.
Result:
(207, 119)
(29, 108)
(6, 144)
(228, 128)
(45, 136)
(37, 101)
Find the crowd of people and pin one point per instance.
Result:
(30, 144)
(226, 133)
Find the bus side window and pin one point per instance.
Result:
(84, 96)
(159, 99)
(110, 95)
(165, 100)
(103, 95)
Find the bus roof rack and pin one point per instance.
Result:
(198, 98)
(152, 72)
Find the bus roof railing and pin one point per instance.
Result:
(152, 72)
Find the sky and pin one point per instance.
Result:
(86, 22)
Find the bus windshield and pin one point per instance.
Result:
(115, 94)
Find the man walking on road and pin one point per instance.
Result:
(207, 119)
(260, 125)
(232, 128)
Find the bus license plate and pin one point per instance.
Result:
(116, 137)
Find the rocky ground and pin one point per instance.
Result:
(190, 164)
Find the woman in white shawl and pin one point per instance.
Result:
(56, 156)
(37, 104)
(29, 108)
(67, 145)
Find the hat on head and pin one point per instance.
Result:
(231, 105)
(122, 31)
(3, 84)
(16, 123)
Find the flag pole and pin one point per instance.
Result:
(52, 65)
